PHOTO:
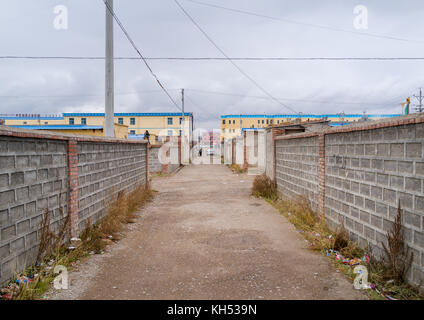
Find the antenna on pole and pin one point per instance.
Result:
(419, 107)
(109, 73)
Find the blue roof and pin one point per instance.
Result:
(157, 114)
(59, 127)
(31, 118)
(308, 116)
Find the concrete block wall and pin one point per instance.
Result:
(62, 173)
(269, 154)
(105, 169)
(296, 170)
(154, 164)
(358, 173)
(172, 151)
(367, 173)
(33, 178)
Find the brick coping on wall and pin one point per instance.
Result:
(36, 134)
(373, 124)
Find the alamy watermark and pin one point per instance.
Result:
(60, 20)
(360, 22)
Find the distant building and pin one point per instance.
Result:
(164, 124)
(233, 125)
(121, 131)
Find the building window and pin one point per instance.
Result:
(181, 133)
(223, 121)
(278, 121)
(71, 121)
(156, 138)
(121, 120)
(170, 131)
(271, 121)
(234, 121)
(46, 122)
(259, 121)
(132, 121)
(25, 122)
(83, 120)
(181, 120)
(263, 121)
(169, 121)
(132, 132)
(267, 121)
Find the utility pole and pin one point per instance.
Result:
(109, 73)
(183, 118)
(419, 107)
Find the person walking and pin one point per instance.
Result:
(147, 136)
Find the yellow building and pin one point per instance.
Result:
(121, 131)
(233, 125)
(136, 124)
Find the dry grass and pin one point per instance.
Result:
(235, 168)
(320, 238)
(263, 186)
(94, 239)
(397, 257)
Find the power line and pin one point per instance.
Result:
(138, 51)
(217, 58)
(231, 61)
(82, 95)
(290, 99)
(304, 23)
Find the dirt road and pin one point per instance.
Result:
(205, 237)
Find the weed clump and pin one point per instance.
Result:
(93, 239)
(397, 257)
(263, 186)
(235, 168)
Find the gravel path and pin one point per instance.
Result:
(205, 237)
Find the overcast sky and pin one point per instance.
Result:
(160, 29)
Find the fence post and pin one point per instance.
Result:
(147, 162)
(73, 187)
(321, 173)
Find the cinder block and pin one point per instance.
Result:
(28, 146)
(413, 184)
(22, 193)
(7, 197)
(419, 239)
(4, 180)
(22, 161)
(419, 203)
(369, 233)
(412, 219)
(397, 182)
(15, 147)
(414, 150)
(17, 213)
(390, 165)
(405, 167)
(389, 196)
(17, 245)
(419, 168)
(397, 150)
(23, 227)
(364, 216)
(7, 162)
(377, 221)
(8, 233)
